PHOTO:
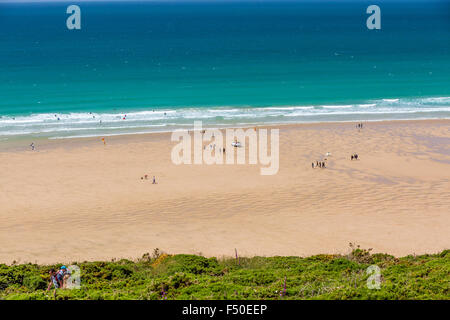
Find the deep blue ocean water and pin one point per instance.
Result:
(164, 65)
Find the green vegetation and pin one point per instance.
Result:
(161, 276)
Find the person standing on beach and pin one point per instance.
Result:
(32, 146)
(154, 180)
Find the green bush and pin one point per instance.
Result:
(34, 282)
(195, 277)
(191, 264)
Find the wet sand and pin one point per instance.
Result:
(76, 200)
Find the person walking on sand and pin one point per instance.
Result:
(32, 146)
(154, 180)
(312, 164)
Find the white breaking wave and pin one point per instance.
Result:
(84, 124)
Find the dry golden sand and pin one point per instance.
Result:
(79, 200)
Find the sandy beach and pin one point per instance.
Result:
(77, 199)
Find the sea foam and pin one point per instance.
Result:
(88, 124)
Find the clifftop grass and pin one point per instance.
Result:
(163, 276)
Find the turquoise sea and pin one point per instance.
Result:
(154, 66)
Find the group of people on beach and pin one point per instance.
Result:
(318, 164)
(145, 177)
(354, 157)
(213, 147)
(321, 164)
(359, 125)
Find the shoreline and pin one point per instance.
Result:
(78, 192)
(84, 124)
(17, 145)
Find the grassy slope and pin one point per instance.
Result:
(196, 277)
